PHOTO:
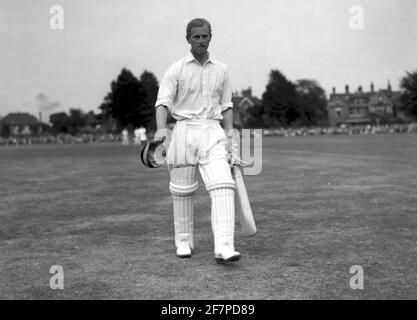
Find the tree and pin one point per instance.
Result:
(4, 131)
(61, 122)
(107, 122)
(255, 117)
(76, 118)
(126, 100)
(280, 100)
(312, 102)
(150, 84)
(409, 96)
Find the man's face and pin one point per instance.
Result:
(199, 40)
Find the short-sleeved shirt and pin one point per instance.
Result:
(191, 90)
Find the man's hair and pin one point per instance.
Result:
(198, 22)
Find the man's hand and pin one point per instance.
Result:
(232, 144)
(232, 148)
(161, 134)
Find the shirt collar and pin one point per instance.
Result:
(190, 58)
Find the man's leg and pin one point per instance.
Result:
(217, 176)
(182, 187)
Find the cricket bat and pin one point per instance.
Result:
(243, 208)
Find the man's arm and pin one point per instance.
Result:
(228, 119)
(226, 103)
(161, 115)
(164, 101)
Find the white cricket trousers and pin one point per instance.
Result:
(201, 143)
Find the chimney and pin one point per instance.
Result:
(40, 116)
(372, 87)
(360, 89)
(389, 86)
(347, 89)
(334, 90)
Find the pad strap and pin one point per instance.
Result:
(182, 190)
(219, 184)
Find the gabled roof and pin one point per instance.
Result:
(20, 119)
(238, 101)
(59, 116)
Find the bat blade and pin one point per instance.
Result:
(243, 208)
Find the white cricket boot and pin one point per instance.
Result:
(226, 254)
(184, 250)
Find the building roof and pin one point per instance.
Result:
(392, 96)
(237, 101)
(245, 96)
(59, 116)
(20, 119)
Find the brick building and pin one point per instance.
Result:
(360, 107)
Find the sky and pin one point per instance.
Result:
(55, 70)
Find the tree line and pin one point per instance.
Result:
(408, 84)
(130, 101)
(288, 104)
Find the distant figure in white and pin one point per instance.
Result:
(137, 134)
(142, 135)
(125, 137)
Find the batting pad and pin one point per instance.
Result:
(217, 174)
(182, 186)
(223, 218)
(182, 180)
(183, 219)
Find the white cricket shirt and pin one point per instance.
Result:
(191, 90)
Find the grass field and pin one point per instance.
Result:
(322, 204)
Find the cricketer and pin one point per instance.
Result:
(196, 91)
